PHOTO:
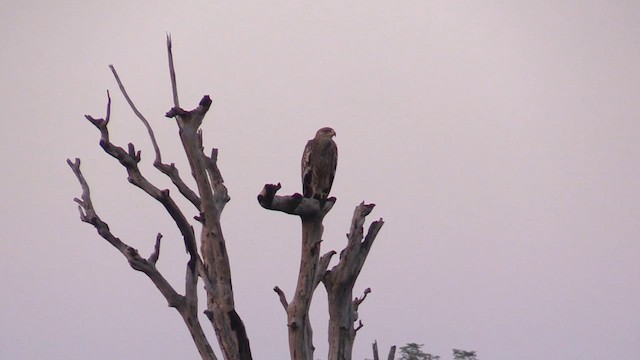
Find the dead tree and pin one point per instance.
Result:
(376, 356)
(339, 281)
(210, 263)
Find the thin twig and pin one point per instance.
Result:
(135, 261)
(106, 120)
(283, 298)
(156, 149)
(156, 250)
(172, 73)
(358, 301)
(129, 159)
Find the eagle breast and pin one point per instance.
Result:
(319, 162)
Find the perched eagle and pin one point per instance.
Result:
(319, 161)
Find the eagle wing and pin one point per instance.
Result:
(325, 162)
(307, 172)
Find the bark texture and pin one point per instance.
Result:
(340, 280)
(376, 356)
(211, 263)
(312, 265)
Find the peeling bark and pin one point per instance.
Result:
(211, 196)
(339, 283)
(186, 305)
(211, 262)
(312, 266)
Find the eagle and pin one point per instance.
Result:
(319, 161)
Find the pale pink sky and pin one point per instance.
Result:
(499, 140)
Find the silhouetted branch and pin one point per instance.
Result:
(89, 215)
(156, 250)
(360, 326)
(283, 297)
(358, 301)
(339, 282)
(293, 204)
(138, 114)
(129, 159)
(172, 73)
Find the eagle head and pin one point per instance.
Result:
(326, 133)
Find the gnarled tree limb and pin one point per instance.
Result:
(210, 199)
(213, 195)
(130, 159)
(183, 304)
(312, 266)
(340, 280)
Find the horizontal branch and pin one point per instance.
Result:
(294, 204)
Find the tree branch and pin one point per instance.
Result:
(156, 250)
(169, 170)
(392, 353)
(294, 204)
(89, 215)
(129, 159)
(360, 326)
(323, 264)
(312, 266)
(172, 73)
(138, 114)
(339, 282)
(282, 296)
(358, 301)
(228, 325)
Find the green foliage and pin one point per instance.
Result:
(413, 351)
(464, 355)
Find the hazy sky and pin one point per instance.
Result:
(499, 140)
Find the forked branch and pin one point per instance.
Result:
(340, 280)
(88, 214)
(130, 159)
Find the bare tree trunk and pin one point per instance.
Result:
(312, 265)
(376, 356)
(392, 353)
(229, 328)
(211, 263)
(375, 351)
(339, 282)
(209, 200)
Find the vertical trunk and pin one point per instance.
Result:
(227, 324)
(191, 320)
(300, 332)
(339, 282)
(375, 351)
(392, 353)
(342, 315)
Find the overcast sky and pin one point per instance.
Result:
(499, 140)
